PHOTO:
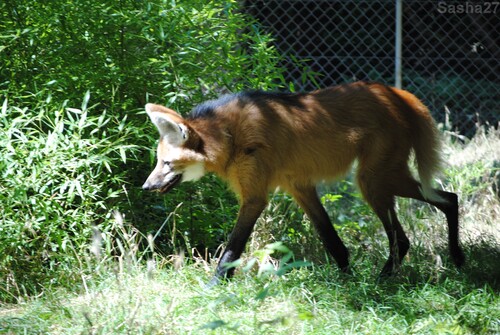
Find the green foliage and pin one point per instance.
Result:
(267, 268)
(128, 51)
(64, 169)
(60, 173)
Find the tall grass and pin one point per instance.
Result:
(61, 173)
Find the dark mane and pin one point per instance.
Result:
(207, 108)
(263, 95)
(261, 98)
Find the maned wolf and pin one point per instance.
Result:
(259, 141)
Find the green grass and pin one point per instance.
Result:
(121, 292)
(312, 300)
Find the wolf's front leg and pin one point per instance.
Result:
(249, 213)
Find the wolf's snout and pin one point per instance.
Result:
(162, 184)
(151, 184)
(147, 186)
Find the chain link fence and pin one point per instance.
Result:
(450, 50)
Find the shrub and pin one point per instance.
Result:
(126, 51)
(64, 169)
(60, 171)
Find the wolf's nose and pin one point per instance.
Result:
(147, 186)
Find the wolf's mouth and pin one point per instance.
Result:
(171, 183)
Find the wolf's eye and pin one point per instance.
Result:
(167, 163)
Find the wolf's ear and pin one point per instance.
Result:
(168, 124)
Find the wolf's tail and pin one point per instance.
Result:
(427, 147)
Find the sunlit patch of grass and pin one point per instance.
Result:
(308, 300)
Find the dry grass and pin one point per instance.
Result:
(474, 172)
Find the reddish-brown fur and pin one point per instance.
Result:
(258, 142)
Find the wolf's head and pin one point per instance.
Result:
(178, 159)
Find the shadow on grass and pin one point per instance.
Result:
(481, 268)
(483, 264)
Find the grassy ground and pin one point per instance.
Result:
(305, 301)
(124, 295)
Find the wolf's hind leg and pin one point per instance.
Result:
(377, 186)
(448, 204)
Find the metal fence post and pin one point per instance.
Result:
(450, 56)
(398, 43)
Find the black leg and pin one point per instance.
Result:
(307, 198)
(448, 205)
(249, 213)
(377, 186)
(398, 241)
(450, 209)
